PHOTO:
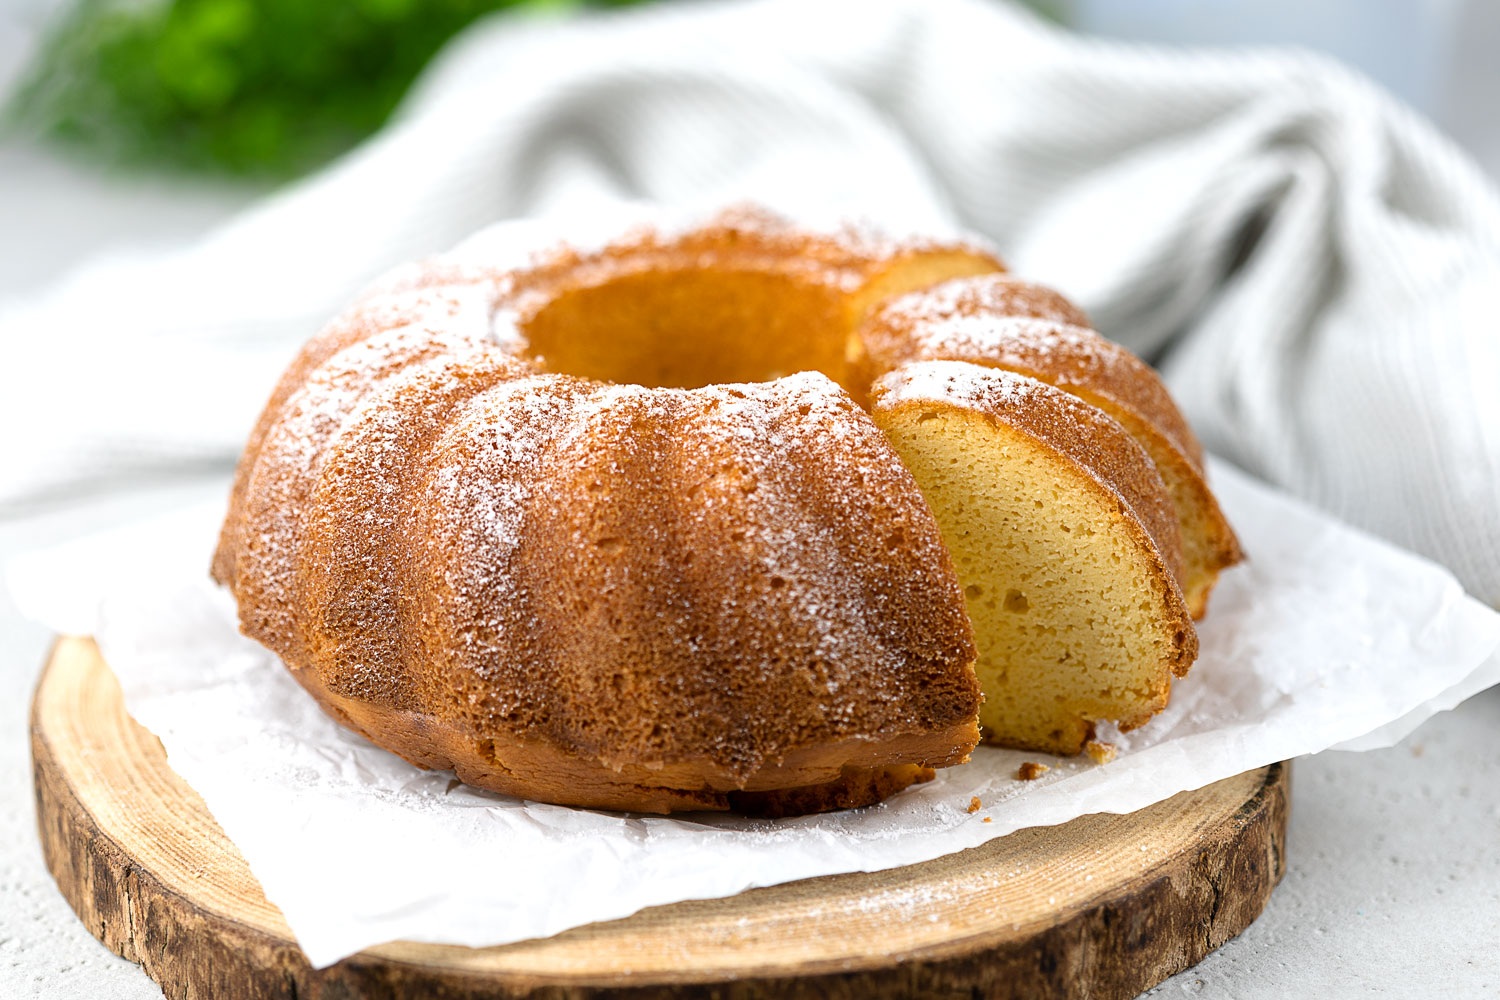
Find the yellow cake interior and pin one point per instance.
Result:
(1203, 535)
(1063, 603)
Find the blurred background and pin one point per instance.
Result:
(130, 125)
(137, 122)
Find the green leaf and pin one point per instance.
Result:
(258, 88)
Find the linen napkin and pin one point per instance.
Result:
(1316, 269)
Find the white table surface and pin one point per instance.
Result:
(1393, 878)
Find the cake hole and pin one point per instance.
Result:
(1015, 601)
(689, 327)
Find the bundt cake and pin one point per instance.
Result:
(687, 521)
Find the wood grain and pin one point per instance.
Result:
(1105, 906)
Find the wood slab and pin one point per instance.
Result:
(1105, 906)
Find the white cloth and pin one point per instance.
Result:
(1315, 268)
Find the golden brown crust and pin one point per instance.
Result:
(372, 317)
(260, 544)
(678, 530)
(853, 788)
(813, 779)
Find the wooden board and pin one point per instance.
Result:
(1104, 906)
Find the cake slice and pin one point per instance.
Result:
(1065, 542)
(1001, 322)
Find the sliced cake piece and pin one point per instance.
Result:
(1064, 540)
(1001, 322)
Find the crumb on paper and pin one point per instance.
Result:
(1417, 749)
(1031, 770)
(974, 804)
(1099, 751)
(987, 819)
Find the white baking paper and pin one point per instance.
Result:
(1325, 638)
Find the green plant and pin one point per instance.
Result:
(267, 88)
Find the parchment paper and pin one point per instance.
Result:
(1326, 638)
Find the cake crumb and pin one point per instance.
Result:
(974, 804)
(1031, 770)
(987, 819)
(1099, 751)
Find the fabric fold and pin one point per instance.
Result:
(1315, 268)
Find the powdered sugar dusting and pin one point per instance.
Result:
(787, 598)
(997, 321)
(955, 383)
(434, 522)
(841, 252)
(1013, 339)
(509, 426)
(449, 323)
(992, 295)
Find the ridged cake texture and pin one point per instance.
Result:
(615, 526)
